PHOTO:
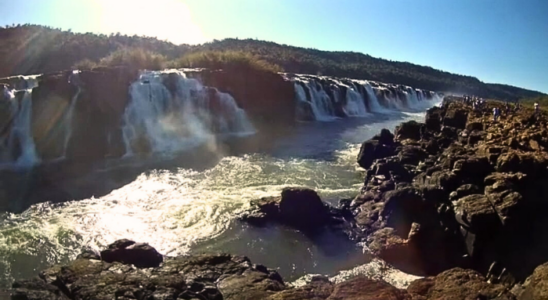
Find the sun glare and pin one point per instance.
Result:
(165, 19)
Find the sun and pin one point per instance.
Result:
(165, 19)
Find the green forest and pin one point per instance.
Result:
(33, 49)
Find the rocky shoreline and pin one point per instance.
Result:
(459, 199)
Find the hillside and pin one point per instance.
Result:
(31, 49)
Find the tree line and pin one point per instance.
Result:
(33, 49)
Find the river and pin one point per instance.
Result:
(189, 210)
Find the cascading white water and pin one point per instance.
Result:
(372, 97)
(318, 97)
(302, 106)
(355, 105)
(183, 118)
(412, 98)
(21, 134)
(67, 122)
(322, 105)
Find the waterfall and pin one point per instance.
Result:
(323, 98)
(17, 148)
(355, 105)
(373, 100)
(67, 121)
(21, 134)
(322, 105)
(304, 110)
(169, 112)
(412, 98)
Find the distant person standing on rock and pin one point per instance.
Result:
(495, 113)
(536, 108)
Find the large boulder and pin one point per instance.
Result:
(536, 286)
(409, 130)
(130, 252)
(300, 208)
(455, 117)
(303, 208)
(433, 118)
(385, 137)
(412, 155)
(458, 284)
(532, 164)
(372, 150)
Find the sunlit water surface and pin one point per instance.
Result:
(182, 211)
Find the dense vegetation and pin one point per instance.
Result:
(127, 57)
(31, 49)
(542, 101)
(225, 60)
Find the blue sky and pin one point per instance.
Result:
(502, 41)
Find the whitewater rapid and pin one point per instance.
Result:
(181, 211)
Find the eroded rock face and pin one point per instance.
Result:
(266, 97)
(372, 150)
(409, 130)
(474, 192)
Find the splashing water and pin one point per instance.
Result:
(323, 94)
(180, 211)
(182, 118)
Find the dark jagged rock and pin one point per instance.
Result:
(457, 284)
(456, 118)
(476, 196)
(463, 191)
(129, 252)
(371, 150)
(97, 115)
(49, 100)
(212, 277)
(266, 97)
(300, 208)
(409, 130)
(385, 137)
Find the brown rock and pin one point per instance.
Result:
(476, 211)
(362, 288)
(536, 286)
(458, 284)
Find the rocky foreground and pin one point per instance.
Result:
(459, 199)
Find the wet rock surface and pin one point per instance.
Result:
(302, 209)
(225, 276)
(220, 276)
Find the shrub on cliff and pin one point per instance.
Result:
(235, 60)
(134, 58)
